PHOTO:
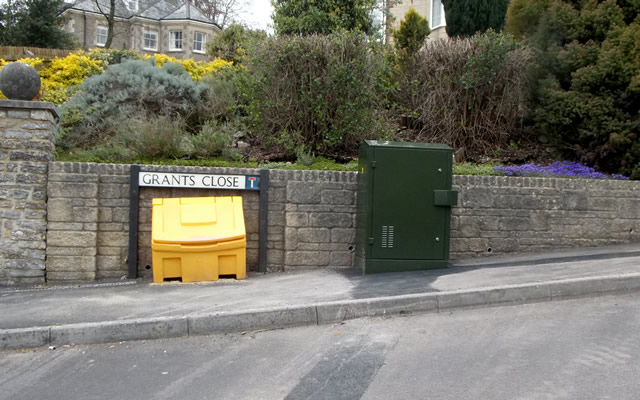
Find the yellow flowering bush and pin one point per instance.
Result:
(64, 74)
(197, 69)
(61, 76)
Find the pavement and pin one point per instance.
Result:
(115, 311)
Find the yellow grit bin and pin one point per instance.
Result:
(198, 238)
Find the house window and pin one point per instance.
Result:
(101, 35)
(150, 40)
(175, 40)
(132, 5)
(437, 14)
(199, 40)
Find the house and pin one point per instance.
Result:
(432, 10)
(173, 27)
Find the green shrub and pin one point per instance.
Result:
(233, 42)
(223, 93)
(586, 78)
(326, 93)
(412, 32)
(304, 17)
(468, 93)
(523, 15)
(112, 56)
(124, 90)
(214, 139)
(154, 138)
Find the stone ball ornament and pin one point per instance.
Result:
(19, 81)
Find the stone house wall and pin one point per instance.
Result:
(128, 34)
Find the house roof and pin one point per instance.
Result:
(158, 10)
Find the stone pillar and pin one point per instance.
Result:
(26, 147)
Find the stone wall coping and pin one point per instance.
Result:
(350, 176)
(30, 105)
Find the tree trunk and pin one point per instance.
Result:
(110, 23)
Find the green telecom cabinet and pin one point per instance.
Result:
(404, 206)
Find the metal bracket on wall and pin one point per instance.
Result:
(134, 215)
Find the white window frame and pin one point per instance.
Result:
(98, 35)
(443, 20)
(144, 39)
(203, 42)
(173, 40)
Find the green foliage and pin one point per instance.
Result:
(323, 92)
(323, 16)
(412, 32)
(231, 44)
(468, 93)
(154, 137)
(586, 78)
(35, 23)
(112, 56)
(487, 169)
(124, 90)
(467, 17)
(524, 15)
(223, 94)
(214, 139)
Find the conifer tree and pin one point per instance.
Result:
(307, 17)
(467, 17)
(412, 32)
(34, 23)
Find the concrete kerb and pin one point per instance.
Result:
(314, 314)
(273, 318)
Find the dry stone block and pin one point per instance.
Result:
(297, 219)
(305, 192)
(111, 263)
(71, 263)
(71, 239)
(71, 251)
(313, 235)
(344, 197)
(66, 276)
(331, 220)
(72, 190)
(307, 258)
(343, 235)
(341, 259)
(41, 115)
(111, 239)
(62, 210)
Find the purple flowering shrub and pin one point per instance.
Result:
(569, 169)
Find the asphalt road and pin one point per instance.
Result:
(578, 349)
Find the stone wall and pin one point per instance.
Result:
(312, 217)
(88, 213)
(26, 146)
(320, 217)
(503, 215)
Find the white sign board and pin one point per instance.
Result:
(198, 181)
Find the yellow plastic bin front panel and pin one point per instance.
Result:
(198, 238)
